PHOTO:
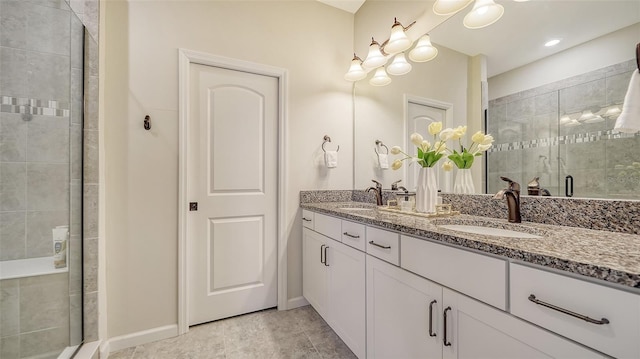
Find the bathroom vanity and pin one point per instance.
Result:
(400, 286)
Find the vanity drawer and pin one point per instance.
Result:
(383, 244)
(307, 219)
(479, 276)
(619, 337)
(353, 234)
(327, 225)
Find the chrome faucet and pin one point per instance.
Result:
(378, 190)
(512, 194)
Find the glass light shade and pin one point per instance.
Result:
(612, 112)
(375, 58)
(380, 78)
(586, 115)
(565, 119)
(423, 51)
(399, 66)
(594, 119)
(356, 72)
(398, 41)
(448, 7)
(484, 13)
(573, 123)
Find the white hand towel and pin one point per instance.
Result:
(331, 159)
(629, 119)
(383, 160)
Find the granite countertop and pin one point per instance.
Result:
(609, 256)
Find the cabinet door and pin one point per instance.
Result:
(314, 272)
(398, 315)
(476, 330)
(347, 313)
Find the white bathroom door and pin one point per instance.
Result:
(232, 175)
(419, 116)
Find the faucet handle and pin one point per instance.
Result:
(378, 184)
(513, 185)
(394, 185)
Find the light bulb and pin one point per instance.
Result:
(375, 58)
(424, 50)
(398, 41)
(380, 78)
(484, 13)
(448, 7)
(399, 66)
(356, 72)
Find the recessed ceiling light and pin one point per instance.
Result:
(553, 42)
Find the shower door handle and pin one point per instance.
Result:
(568, 180)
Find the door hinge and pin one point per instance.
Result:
(193, 206)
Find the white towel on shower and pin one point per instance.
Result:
(331, 159)
(629, 119)
(383, 160)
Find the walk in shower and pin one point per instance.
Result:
(562, 133)
(41, 129)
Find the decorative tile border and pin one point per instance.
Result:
(33, 106)
(561, 140)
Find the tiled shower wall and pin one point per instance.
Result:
(41, 170)
(532, 141)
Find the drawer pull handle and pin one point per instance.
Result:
(325, 255)
(444, 340)
(351, 235)
(379, 245)
(431, 333)
(321, 253)
(568, 312)
(306, 219)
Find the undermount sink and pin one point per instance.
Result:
(490, 228)
(489, 231)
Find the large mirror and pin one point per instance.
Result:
(588, 70)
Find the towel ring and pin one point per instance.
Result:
(379, 143)
(328, 139)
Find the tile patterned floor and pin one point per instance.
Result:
(296, 333)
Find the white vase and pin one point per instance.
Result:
(464, 182)
(426, 190)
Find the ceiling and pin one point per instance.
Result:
(518, 37)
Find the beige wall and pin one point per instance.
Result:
(610, 49)
(309, 39)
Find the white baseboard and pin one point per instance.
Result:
(296, 302)
(140, 338)
(88, 350)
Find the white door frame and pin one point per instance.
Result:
(448, 122)
(185, 59)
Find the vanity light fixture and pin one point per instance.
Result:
(594, 119)
(380, 78)
(424, 50)
(399, 66)
(586, 116)
(484, 13)
(375, 58)
(356, 72)
(612, 112)
(553, 42)
(565, 119)
(448, 7)
(398, 41)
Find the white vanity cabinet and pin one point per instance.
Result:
(603, 318)
(475, 330)
(403, 313)
(411, 317)
(334, 284)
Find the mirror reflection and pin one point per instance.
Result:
(535, 97)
